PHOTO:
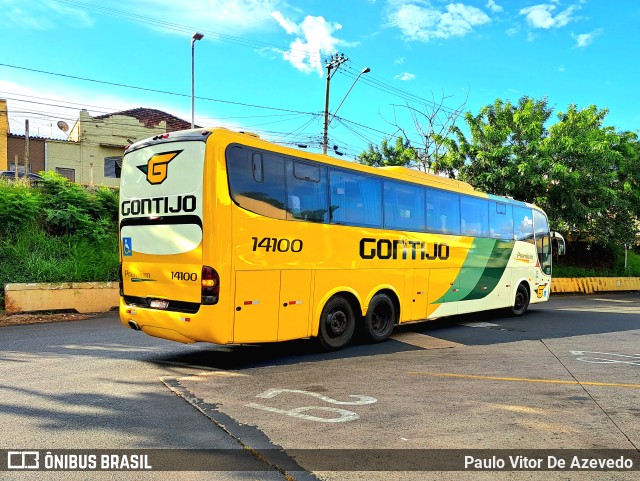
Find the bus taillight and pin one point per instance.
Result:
(210, 285)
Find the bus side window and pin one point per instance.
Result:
(404, 206)
(523, 224)
(500, 220)
(356, 199)
(543, 241)
(257, 167)
(443, 212)
(474, 214)
(256, 181)
(307, 192)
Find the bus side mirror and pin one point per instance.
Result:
(560, 242)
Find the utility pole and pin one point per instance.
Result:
(332, 63)
(26, 151)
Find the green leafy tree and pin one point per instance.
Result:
(399, 154)
(506, 153)
(592, 189)
(584, 174)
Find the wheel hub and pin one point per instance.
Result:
(337, 323)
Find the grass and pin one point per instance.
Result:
(37, 257)
(632, 270)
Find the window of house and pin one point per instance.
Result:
(112, 167)
(68, 173)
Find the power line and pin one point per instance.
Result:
(371, 80)
(146, 89)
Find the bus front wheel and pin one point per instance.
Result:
(521, 302)
(337, 323)
(380, 319)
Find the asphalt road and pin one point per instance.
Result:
(564, 376)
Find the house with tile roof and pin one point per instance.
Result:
(93, 151)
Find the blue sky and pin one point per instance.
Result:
(260, 66)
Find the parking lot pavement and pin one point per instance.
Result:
(564, 376)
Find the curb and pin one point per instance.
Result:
(589, 285)
(84, 297)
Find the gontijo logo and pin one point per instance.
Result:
(540, 290)
(157, 166)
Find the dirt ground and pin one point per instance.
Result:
(41, 317)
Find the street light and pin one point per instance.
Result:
(333, 63)
(364, 70)
(196, 36)
(328, 122)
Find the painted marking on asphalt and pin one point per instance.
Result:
(623, 301)
(344, 415)
(522, 379)
(424, 341)
(609, 358)
(479, 324)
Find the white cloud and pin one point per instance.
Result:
(399, 61)
(541, 16)
(315, 38)
(221, 15)
(585, 39)
(513, 31)
(405, 76)
(494, 7)
(418, 20)
(37, 15)
(288, 25)
(228, 16)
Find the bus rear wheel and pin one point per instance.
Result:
(337, 323)
(380, 319)
(521, 302)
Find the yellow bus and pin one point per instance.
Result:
(229, 239)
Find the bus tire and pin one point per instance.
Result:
(521, 302)
(337, 323)
(380, 320)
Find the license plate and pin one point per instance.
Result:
(159, 303)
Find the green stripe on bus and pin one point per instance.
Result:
(493, 271)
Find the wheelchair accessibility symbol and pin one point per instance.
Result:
(126, 246)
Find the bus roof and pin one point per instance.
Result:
(393, 172)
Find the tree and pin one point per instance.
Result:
(583, 174)
(506, 154)
(401, 153)
(431, 125)
(592, 174)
